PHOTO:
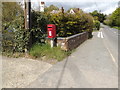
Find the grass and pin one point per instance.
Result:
(39, 51)
(116, 27)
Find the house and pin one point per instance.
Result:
(42, 6)
(57, 11)
(73, 11)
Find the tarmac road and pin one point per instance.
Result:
(111, 40)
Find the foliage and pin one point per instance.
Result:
(10, 11)
(97, 24)
(98, 16)
(16, 38)
(11, 21)
(113, 19)
(50, 8)
(108, 20)
(39, 26)
(40, 50)
(116, 17)
(70, 24)
(116, 27)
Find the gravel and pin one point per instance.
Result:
(20, 72)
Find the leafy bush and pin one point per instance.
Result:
(98, 16)
(113, 19)
(39, 26)
(10, 10)
(70, 24)
(40, 50)
(97, 24)
(17, 39)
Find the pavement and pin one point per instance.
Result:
(94, 64)
(20, 72)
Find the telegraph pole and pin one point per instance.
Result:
(27, 15)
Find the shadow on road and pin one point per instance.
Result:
(62, 73)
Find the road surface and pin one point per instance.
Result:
(92, 65)
(111, 40)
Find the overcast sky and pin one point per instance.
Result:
(105, 6)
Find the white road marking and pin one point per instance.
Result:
(98, 34)
(102, 35)
(113, 59)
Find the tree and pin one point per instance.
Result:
(50, 8)
(116, 17)
(11, 21)
(10, 11)
(113, 19)
(98, 16)
(39, 24)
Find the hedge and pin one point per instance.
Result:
(70, 24)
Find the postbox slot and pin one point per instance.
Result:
(49, 27)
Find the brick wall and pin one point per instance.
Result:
(72, 42)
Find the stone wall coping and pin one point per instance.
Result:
(71, 42)
(71, 36)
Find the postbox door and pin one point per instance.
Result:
(51, 30)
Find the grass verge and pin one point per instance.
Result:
(116, 28)
(41, 50)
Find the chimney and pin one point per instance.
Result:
(62, 10)
(42, 3)
(42, 6)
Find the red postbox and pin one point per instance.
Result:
(51, 28)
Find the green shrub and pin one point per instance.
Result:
(17, 39)
(40, 50)
(97, 24)
(70, 24)
(113, 19)
(117, 28)
(98, 16)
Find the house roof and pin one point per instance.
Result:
(75, 10)
(55, 11)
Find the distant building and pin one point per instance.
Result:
(42, 6)
(57, 11)
(73, 11)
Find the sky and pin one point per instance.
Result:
(105, 6)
